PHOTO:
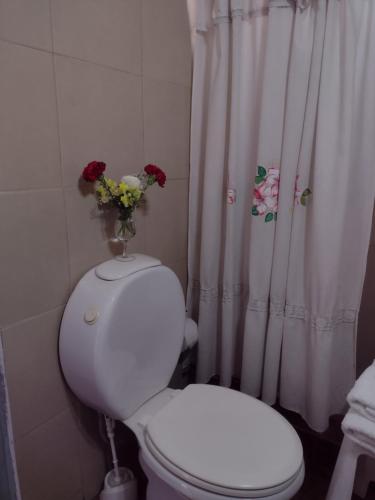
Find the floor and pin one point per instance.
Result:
(320, 451)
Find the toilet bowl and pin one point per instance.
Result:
(120, 339)
(212, 443)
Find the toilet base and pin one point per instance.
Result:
(156, 490)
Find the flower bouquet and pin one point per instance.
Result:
(125, 196)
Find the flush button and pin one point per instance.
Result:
(90, 316)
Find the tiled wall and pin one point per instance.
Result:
(80, 80)
(366, 326)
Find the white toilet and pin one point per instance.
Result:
(120, 339)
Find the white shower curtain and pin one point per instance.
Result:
(281, 194)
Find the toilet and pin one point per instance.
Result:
(121, 336)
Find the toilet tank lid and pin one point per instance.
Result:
(117, 268)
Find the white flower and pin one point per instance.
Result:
(132, 181)
(262, 208)
(271, 202)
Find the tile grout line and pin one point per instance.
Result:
(100, 65)
(29, 190)
(67, 241)
(5, 328)
(25, 45)
(141, 37)
(69, 56)
(65, 187)
(41, 424)
(144, 237)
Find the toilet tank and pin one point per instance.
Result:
(122, 333)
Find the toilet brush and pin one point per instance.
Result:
(119, 483)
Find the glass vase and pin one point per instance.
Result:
(125, 230)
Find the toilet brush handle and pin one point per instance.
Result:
(110, 426)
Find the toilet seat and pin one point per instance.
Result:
(257, 453)
(154, 470)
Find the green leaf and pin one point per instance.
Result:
(303, 200)
(259, 179)
(307, 192)
(254, 211)
(262, 172)
(269, 217)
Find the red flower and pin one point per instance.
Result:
(156, 172)
(93, 171)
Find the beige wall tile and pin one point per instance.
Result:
(90, 231)
(167, 126)
(36, 387)
(50, 236)
(29, 148)
(100, 118)
(166, 222)
(166, 40)
(180, 268)
(26, 22)
(107, 33)
(33, 254)
(48, 460)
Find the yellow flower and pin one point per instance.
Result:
(112, 185)
(129, 195)
(109, 191)
(102, 194)
(123, 188)
(125, 200)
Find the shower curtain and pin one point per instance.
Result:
(282, 187)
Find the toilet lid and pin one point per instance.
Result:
(225, 439)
